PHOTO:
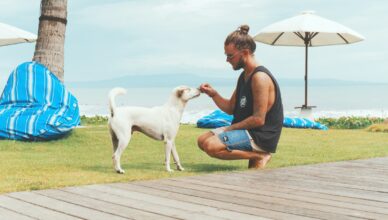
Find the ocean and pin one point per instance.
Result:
(330, 101)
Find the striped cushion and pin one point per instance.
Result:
(35, 105)
(303, 123)
(219, 118)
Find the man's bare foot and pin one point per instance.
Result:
(260, 162)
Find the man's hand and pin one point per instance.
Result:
(208, 89)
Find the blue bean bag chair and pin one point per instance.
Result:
(219, 118)
(215, 119)
(35, 105)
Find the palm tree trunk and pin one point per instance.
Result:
(49, 49)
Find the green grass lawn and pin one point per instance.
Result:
(84, 157)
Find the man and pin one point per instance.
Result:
(255, 104)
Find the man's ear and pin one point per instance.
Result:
(245, 52)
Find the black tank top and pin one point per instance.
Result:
(266, 136)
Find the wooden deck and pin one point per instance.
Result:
(341, 190)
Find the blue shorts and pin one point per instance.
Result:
(236, 140)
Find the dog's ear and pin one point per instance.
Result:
(179, 93)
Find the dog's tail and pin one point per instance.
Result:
(112, 94)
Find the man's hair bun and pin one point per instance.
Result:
(244, 29)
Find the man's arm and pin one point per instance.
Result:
(226, 105)
(260, 90)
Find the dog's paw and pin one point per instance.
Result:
(180, 168)
(170, 170)
(120, 171)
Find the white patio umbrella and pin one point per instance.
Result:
(13, 35)
(308, 30)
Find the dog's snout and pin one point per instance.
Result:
(197, 92)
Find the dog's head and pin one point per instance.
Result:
(185, 93)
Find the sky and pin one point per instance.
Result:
(109, 39)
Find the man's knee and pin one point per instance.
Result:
(203, 141)
(204, 144)
(208, 146)
(200, 142)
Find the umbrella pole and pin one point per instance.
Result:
(305, 76)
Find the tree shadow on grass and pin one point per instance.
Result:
(128, 166)
(210, 167)
(99, 168)
(190, 167)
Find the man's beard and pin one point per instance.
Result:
(240, 64)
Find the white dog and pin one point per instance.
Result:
(160, 123)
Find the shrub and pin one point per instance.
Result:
(349, 122)
(95, 120)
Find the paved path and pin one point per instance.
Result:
(342, 190)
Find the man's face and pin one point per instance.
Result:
(234, 56)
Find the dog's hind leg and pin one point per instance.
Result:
(123, 141)
(176, 158)
(115, 141)
(168, 148)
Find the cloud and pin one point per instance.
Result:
(167, 15)
(16, 6)
(18, 11)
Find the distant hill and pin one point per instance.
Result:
(326, 82)
(172, 80)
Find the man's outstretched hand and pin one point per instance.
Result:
(208, 89)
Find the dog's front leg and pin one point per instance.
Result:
(168, 146)
(176, 158)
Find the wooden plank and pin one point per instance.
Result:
(106, 207)
(224, 205)
(315, 187)
(364, 164)
(31, 210)
(285, 188)
(8, 214)
(336, 180)
(279, 201)
(346, 175)
(345, 168)
(353, 170)
(255, 201)
(190, 208)
(248, 188)
(64, 207)
(329, 188)
(357, 165)
(373, 161)
(149, 206)
(313, 184)
(349, 175)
